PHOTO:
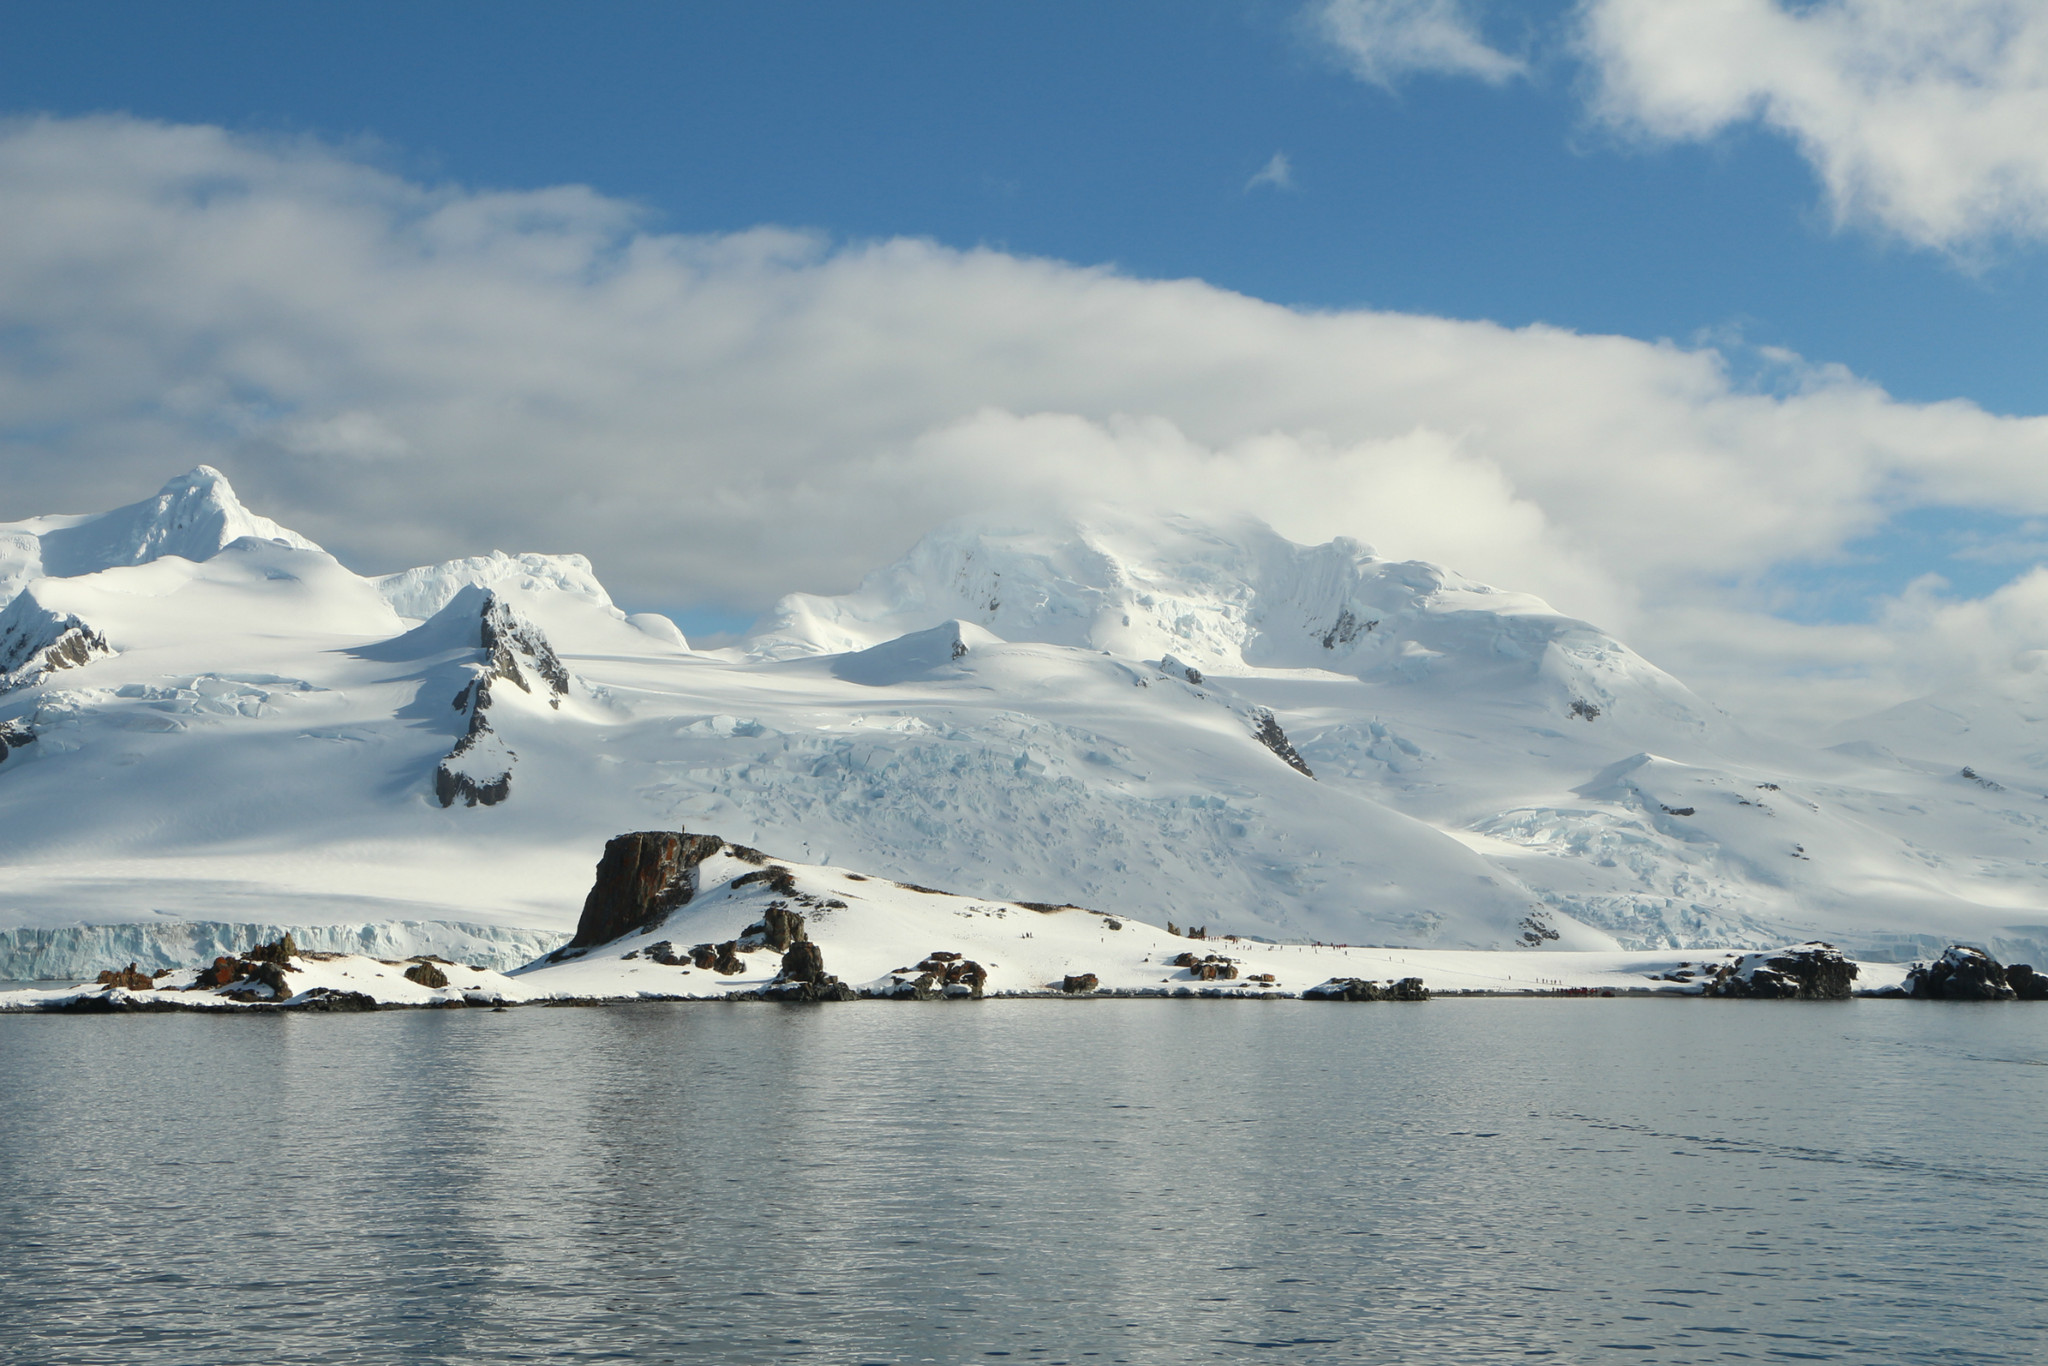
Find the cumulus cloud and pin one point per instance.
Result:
(409, 372)
(1383, 40)
(1925, 117)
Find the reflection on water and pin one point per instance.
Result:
(1102, 1181)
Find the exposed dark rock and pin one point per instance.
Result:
(642, 877)
(223, 971)
(452, 783)
(2027, 984)
(506, 637)
(803, 962)
(427, 975)
(704, 955)
(1269, 734)
(1811, 972)
(778, 878)
(665, 954)
(803, 977)
(36, 642)
(1346, 629)
(1584, 710)
(280, 952)
(1960, 974)
(946, 969)
(748, 854)
(727, 962)
(127, 979)
(1535, 930)
(270, 975)
(777, 929)
(1084, 982)
(329, 999)
(1359, 989)
(15, 735)
(1208, 968)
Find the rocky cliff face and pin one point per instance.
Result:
(478, 771)
(641, 878)
(36, 641)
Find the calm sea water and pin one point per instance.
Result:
(1103, 1181)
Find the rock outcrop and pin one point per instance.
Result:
(1809, 972)
(803, 977)
(1359, 989)
(478, 771)
(1209, 968)
(642, 877)
(1268, 733)
(1961, 973)
(129, 978)
(426, 975)
(15, 735)
(36, 641)
(1080, 984)
(2027, 984)
(777, 930)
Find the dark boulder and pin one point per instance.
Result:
(727, 961)
(777, 929)
(1810, 972)
(328, 999)
(280, 952)
(1960, 974)
(946, 969)
(2027, 984)
(803, 977)
(270, 975)
(127, 979)
(223, 971)
(1344, 989)
(426, 975)
(802, 962)
(665, 954)
(779, 879)
(704, 956)
(1079, 984)
(1359, 989)
(642, 877)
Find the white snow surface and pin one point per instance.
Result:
(1065, 712)
(874, 934)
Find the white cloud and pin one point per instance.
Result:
(1277, 172)
(1383, 40)
(1927, 117)
(408, 373)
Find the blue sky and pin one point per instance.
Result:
(1746, 190)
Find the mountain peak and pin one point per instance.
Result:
(194, 516)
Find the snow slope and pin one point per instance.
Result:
(881, 937)
(1113, 711)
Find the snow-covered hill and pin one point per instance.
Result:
(206, 718)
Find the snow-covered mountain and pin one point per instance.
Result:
(205, 720)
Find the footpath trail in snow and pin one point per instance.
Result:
(207, 722)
